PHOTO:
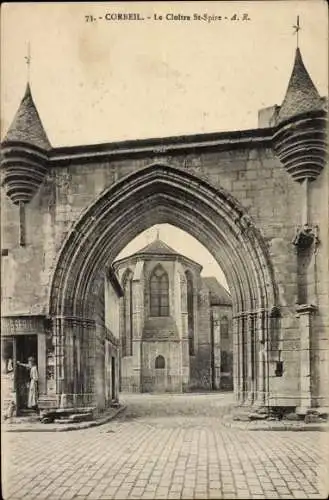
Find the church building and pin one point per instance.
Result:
(175, 326)
(257, 199)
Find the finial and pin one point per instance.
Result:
(297, 28)
(158, 232)
(28, 61)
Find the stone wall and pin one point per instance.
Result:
(168, 379)
(200, 364)
(223, 347)
(252, 175)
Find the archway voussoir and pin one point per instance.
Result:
(134, 203)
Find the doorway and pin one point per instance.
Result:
(160, 374)
(16, 379)
(26, 346)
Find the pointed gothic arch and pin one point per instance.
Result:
(157, 194)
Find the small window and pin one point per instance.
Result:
(160, 362)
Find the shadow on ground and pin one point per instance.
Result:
(165, 406)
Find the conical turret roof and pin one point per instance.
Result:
(302, 95)
(27, 126)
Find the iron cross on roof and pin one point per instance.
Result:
(297, 28)
(28, 60)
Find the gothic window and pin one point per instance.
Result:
(224, 327)
(159, 292)
(190, 312)
(127, 336)
(160, 362)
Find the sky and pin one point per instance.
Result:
(106, 81)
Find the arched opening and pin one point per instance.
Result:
(160, 363)
(198, 292)
(160, 194)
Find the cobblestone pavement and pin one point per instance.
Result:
(165, 447)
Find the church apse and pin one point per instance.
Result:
(173, 350)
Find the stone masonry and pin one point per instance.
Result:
(257, 199)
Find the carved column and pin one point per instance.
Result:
(137, 328)
(216, 345)
(306, 242)
(185, 358)
(42, 360)
(58, 341)
(261, 346)
(251, 358)
(236, 360)
(68, 378)
(242, 357)
(305, 313)
(89, 332)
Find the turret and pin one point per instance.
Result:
(24, 156)
(25, 152)
(300, 126)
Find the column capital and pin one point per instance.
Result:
(74, 320)
(248, 314)
(305, 236)
(302, 309)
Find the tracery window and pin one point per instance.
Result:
(159, 292)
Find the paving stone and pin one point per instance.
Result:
(154, 456)
(242, 491)
(215, 494)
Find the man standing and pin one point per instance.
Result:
(33, 386)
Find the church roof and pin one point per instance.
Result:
(157, 247)
(27, 125)
(218, 294)
(301, 95)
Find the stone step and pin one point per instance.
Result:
(59, 414)
(82, 417)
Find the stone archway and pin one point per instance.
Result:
(159, 194)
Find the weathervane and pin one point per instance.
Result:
(297, 28)
(28, 61)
